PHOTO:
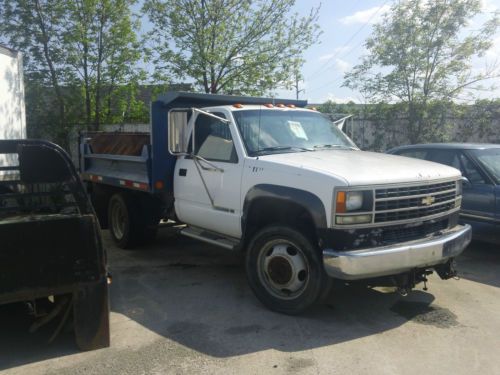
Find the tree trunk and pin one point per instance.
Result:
(62, 140)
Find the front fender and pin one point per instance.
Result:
(285, 195)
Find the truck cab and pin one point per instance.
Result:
(283, 184)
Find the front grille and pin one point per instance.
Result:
(414, 190)
(401, 234)
(414, 202)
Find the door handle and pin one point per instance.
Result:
(183, 172)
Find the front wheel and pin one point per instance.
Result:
(285, 269)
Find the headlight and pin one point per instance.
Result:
(353, 207)
(354, 200)
(348, 201)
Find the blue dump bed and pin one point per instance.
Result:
(141, 161)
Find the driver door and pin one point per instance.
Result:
(207, 182)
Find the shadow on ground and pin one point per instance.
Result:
(18, 346)
(197, 295)
(480, 262)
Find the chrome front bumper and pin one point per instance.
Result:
(397, 258)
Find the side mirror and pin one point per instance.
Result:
(177, 130)
(465, 181)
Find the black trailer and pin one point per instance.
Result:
(51, 253)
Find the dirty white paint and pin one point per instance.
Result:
(12, 109)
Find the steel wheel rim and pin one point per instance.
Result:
(283, 269)
(118, 220)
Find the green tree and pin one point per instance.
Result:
(80, 57)
(33, 26)
(101, 46)
(420, 55)
(230, 46)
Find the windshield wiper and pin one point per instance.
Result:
(280, 148)
(335, 146)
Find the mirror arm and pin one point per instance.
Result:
(226, 121)
(214, 167)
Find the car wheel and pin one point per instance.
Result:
(285, 269)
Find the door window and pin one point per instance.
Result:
(447, 157)
(417, 154)
(471, 171)
(213, 140)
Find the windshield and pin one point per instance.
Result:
(275, 131)
(490, 159)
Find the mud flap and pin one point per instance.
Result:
(91, 316)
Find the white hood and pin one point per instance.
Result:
(365, 168)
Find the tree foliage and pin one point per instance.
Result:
(32, 27)
(421, 55)
(230, 46)
(381, 126)
(102, 48)
(80, 56)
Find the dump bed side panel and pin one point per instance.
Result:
(118, 159)
(114, 143)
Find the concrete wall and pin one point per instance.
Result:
(12, 110)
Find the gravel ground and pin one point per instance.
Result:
(180, 306)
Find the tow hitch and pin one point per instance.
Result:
(447, 271)
(407, 281)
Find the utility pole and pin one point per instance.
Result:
(296, 86)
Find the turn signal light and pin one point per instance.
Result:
(340, 202)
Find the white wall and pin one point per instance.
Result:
(12, 110)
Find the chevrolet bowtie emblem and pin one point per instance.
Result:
(427, 201)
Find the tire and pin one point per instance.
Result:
(122, 213)
(148, 220)
(285, 270)
(131, 220)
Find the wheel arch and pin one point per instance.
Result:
(268, 204)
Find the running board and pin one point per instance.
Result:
(210, 237)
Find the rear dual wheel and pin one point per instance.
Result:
(130, 223)
(285, 269)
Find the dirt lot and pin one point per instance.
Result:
(179, 306)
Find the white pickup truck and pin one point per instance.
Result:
(283, 184)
